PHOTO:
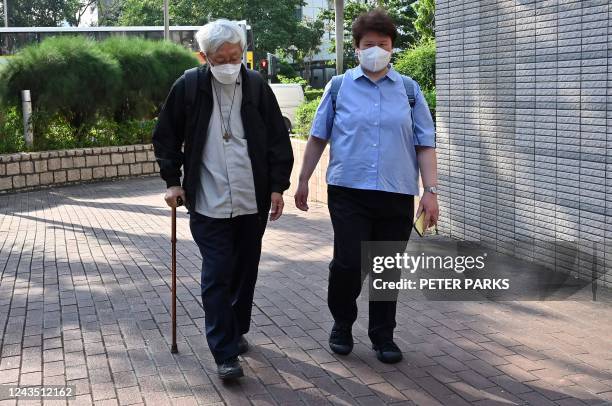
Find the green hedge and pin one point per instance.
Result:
(87, 93)
(313, 94)
(419, 63)
(68, 76)
(304, 116)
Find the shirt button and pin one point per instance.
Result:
(373, 145)
(372, 165)
(375, 122)
(376, 104)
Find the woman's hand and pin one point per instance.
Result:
(276, 210)
(301, 196)
(429, 203)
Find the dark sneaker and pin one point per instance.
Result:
(341, 339)
(243, 345)
(230, 369)
(388, 352)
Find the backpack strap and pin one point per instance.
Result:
(255, 83)
(336, 82)
(409, 90)
(191, 89)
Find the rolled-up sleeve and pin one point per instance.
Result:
(424, 130)
(324, 117)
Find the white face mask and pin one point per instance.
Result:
(374, 59)
(226, 73)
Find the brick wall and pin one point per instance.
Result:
(53, 168)
(524, 123)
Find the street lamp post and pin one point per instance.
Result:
(5, 13)
(166, 21)
(339, 36)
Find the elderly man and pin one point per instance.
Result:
(235, 151)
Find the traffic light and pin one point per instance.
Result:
(272, 64)
(263, 64)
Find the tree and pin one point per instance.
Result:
(46, 13)
(425, 21)
(275, 24)
(150, 12)
(401, 11)
(306, 41)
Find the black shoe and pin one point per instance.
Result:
(388, 352)
(243, 345)
(230, 369)
(341, 339)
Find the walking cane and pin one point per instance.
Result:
(174, 348)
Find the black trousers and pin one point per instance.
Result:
(363, 215)
(230, 250)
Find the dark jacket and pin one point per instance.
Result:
(267, 137)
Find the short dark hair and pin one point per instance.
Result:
(376, 20)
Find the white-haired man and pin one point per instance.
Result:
(221, 123)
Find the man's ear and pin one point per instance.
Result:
(203, 57)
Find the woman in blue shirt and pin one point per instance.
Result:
(377, 147)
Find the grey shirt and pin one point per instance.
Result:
(226, 186)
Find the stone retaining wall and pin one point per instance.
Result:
(31, 170)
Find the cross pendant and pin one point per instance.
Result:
(227, 136)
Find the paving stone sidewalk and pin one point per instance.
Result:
(84, 301)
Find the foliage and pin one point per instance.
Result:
(401, 11)
(304, 115)
(307, 40)
(59, 134)
(148, 70)
(151, 12)
(419, 62)
(430, 97)
(275, 24)
(64, 74)
(425, 21)
(285, 69)
(88, 94)
(313, 94)
(46, 13)
(11, 131)
(298, 80)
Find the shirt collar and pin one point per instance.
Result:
(392, 74)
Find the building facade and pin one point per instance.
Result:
(524, 120)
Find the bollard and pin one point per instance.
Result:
(28, 128)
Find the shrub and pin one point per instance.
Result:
(148, 69)
(290, 80)
(69, 76)
(430, 96)
(171, 61)
(419, 63)
(313, 94)
(11, 131)
(285, 69)
(304, 116)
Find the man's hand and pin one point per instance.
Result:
(429, 203)
(276, 209)
(171, 195)
(301, 196)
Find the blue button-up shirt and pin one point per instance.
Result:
(372, 142)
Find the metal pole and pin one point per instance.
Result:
(166, 21)
(28, 128)
(5, 13)
(339, 36)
